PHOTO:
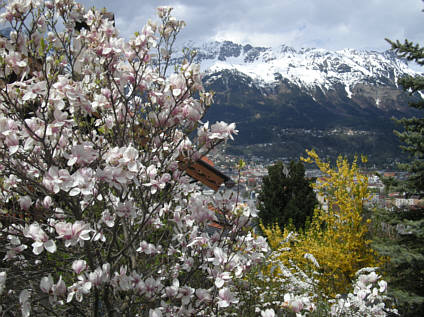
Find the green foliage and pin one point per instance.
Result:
(412, 136)
(286, 196)
(390, 183)
(401, 234)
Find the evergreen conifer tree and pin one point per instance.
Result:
(286, 196)
(413, 134)
(406, 249)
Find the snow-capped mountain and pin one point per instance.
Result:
(310, 68)
(334, 101)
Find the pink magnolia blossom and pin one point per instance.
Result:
(73, 233)
(83, 182)
(41, 239)
(16, 62)
(121, 280)
(296, 305)
(220, 257)
(104, 137)
(82, 154)
(148, 248)
(125, 209)
(79, 266)
(59, 289)
(100, 275)
(203, 295)
(46, 284)
(47, 202)
(12, 141)
(14, 248)
(172, 291)
(221, 278)
(78, 289)
(226, 298)
(34, 90)
(185, 293)
(152, 286)
(158, 184)
(25, 202)
(108, 219)
(56, 180)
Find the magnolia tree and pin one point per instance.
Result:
(98, 216)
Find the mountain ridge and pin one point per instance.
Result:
(276, 94)
(309, 65)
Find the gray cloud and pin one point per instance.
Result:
(332, 24)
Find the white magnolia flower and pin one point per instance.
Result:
(226, 298)
(79, 265)
(41, 239)
(3, 276)
(268, 313)
(25, 303)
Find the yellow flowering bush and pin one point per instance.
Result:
(337, 235)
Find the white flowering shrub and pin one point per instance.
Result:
(274, 289)
(98, 216)
(367, 299)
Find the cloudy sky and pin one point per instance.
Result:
(331, 24)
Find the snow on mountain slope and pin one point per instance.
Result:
(308, 68)
(284, 100)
